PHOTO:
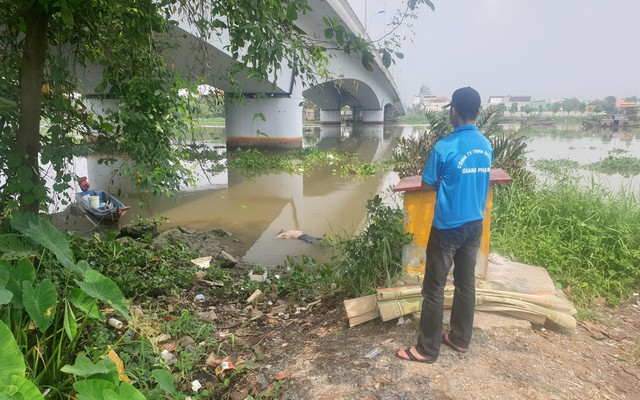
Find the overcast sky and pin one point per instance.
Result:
(588, 49)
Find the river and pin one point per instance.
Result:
(319, 203)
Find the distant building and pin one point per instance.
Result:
(627, 108)
(496, 100)
(425, 101)
(519, 100)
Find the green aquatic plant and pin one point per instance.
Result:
(253, 162)
(617, 164)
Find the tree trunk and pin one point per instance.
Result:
(31, 78)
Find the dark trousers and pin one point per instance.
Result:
(457, 246)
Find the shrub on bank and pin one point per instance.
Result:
(586, 237)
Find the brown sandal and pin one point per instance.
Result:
(446, 340)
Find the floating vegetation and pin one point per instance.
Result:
(624, 165)
(555, 166)
(252, 162)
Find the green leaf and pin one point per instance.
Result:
(11, 356)
(328, 33)
(42, 232)
(70, 324)
(165, 380)
(12, 247)
(399, 55)
(85, 303)
(26, 388)
(102, 288)
(386, 59)
(7, 104)
(292, 13)
(430, 4)
(128, 392)
(40, 302)
(111, 395)
(83, 367)
(10, 392)
(5, 296)
(93, 389)
(23, 271)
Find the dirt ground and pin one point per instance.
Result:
(314, 355)
(307, 351)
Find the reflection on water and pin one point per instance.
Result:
(320, 202)
(255, 210)
(588, 147)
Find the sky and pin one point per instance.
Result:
(547, 49)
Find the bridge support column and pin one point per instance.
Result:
(330, 117)
(265, 122)
(373, 116)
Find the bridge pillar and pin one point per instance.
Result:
(265, 122)
(373, 116)
(330, 117)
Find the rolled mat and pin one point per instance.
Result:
(402, 301)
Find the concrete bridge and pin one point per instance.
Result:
(372, 95)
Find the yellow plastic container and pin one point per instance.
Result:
(418, 211)
(94, 201)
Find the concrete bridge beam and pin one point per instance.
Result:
(256, 121)
(373, 116)
(330, 117)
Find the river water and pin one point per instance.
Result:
(319, 203)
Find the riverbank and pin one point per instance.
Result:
(294, 343)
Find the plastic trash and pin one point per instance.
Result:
(373, 352)
(224, 366)
(115, 323)
(168, 357)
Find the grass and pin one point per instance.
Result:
(586, 237)
(413, 119)
(214, 121)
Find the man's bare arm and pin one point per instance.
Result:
(426, 187)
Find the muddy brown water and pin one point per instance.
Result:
(254, 210)
(320, 202)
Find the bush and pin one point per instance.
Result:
(372, 258)
(586, 237)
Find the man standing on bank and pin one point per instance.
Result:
(458, 171)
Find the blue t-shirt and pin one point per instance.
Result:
(459, 167)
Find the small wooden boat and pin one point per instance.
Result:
(101, 205)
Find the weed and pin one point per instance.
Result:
(136, 267)
(374, 257)
(252, 162)
(587, 238)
